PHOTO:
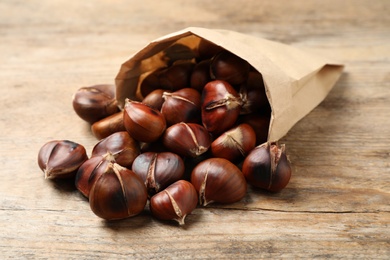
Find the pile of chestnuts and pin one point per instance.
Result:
(197, 136)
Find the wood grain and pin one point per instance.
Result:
(337, 203)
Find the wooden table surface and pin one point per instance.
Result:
(337, 204)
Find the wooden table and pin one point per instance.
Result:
(337, 204)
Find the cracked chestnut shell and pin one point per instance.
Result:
(158, 170)
(181, 106)
(121, 146)
(96, 102)
(61, 158)
(218, 180)
(142, 122)
(175, 202)
(118, 193)
(187, 139)
(221, 106)
(267, 167)
(235, 143)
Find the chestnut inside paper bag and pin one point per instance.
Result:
(296, 81)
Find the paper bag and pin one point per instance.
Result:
(296, 81)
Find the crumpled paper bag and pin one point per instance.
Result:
(296, 81)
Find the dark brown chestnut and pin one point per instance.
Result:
(91, 170)
(253, 95)
(207, 49)
(267, 167)
(121, 145)
(221, 106)
(218, 180)
(142, 122)
(151, 82)
(181, 106)
(229, 67)
(158, 170)
(187, 139)
(61, 158)
(109, 125)
(178, 52)
(235, 143)
(93, 103)
(176, 76)
(200, 75)
(155, 98)
(118, 193)
(259, 123)
(175, 202)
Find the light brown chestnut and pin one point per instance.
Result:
(93, 103)
(142, 122)
(175, 202)
(118, 193)
(158, 170)
(107, 126)
(91, 170)
(181, 106)
(218, 180)
(252, 94)
(187, 139)
(61, 158)
(121, 145)
(155, 98)
(229, 67)
(267, 167)
(221, 106)
(235, 143)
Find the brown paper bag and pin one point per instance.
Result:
(296, 81)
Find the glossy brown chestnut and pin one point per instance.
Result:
(187, 139)
(91, 170)
(176, 76)
(61, 158)
(175, 202)
(93, 103)
(229, 67)
(253, 95)
(259, 123)
(218, 180)
(221, 106)
(109, 125)
(142, 122)
(155, 98)
(235, 143)
(267, 167)
(181, 106)
(200, 75)
(121, 145)
(118, 193)
(158, 170)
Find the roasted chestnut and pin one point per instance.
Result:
(218, 180)
(158, 170)
(229, 67)
(175, 202)
(235, 143)
(118, 193)
(181, 106)
(61, 158)
(221, 106)
(121, 145)
(267, 167)
(142, 122)
(187, 139)
(95, 102)
(109, 125)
